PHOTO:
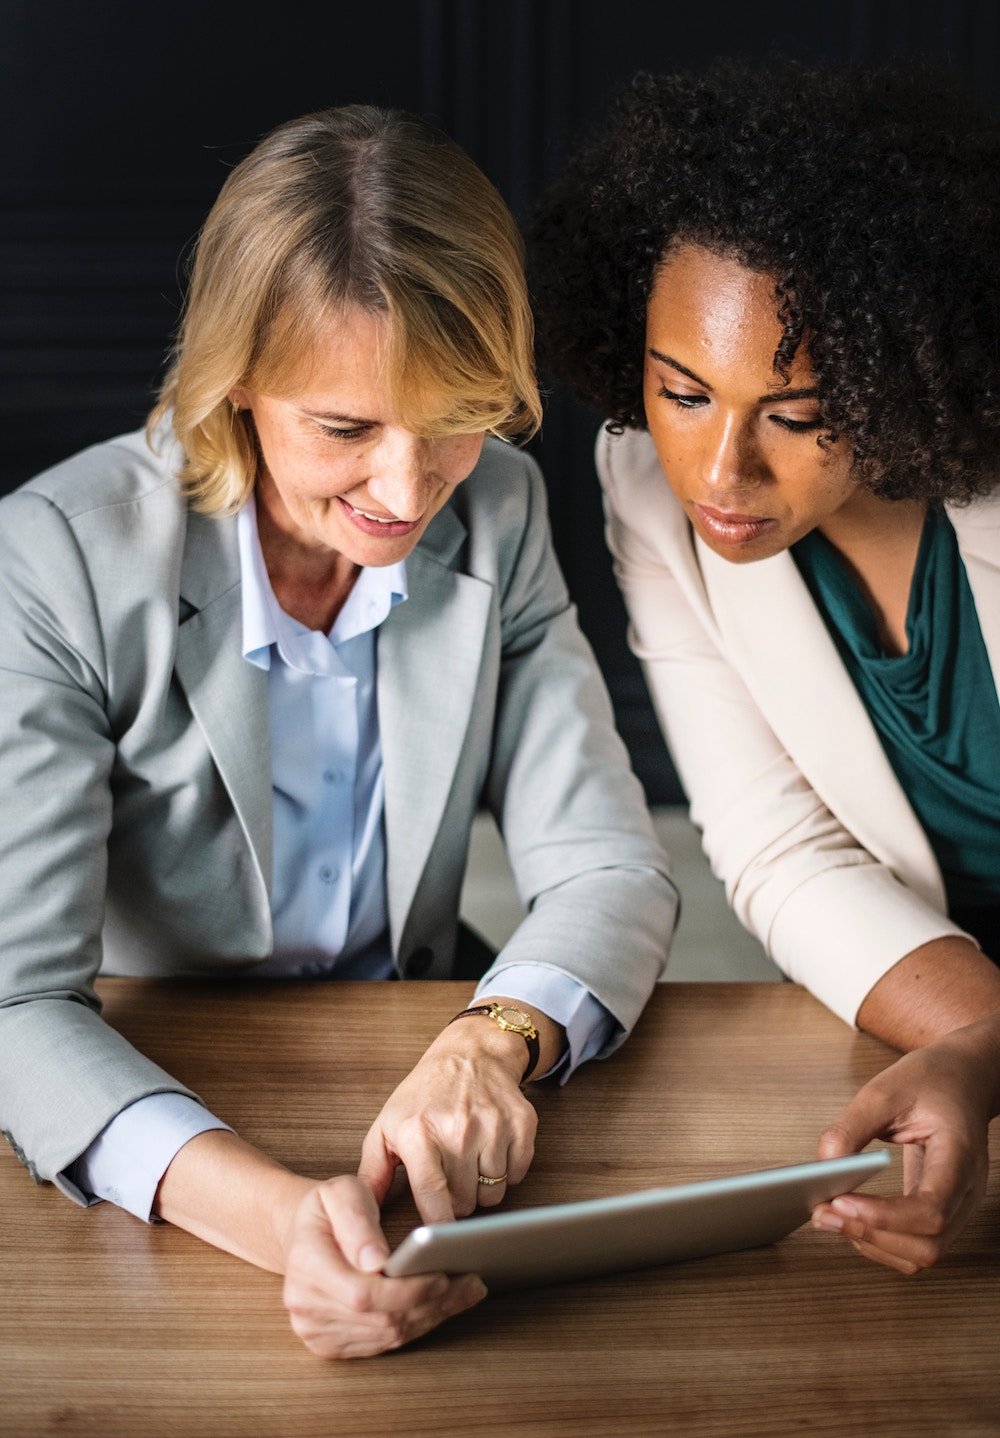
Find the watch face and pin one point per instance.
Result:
(513, 1018)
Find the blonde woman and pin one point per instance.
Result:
(260, 664)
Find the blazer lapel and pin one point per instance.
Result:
(430, 653)
(228, 696)
(978, 529)
(788, 661)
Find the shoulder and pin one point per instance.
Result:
(495, 529)
(121, 471)
(107, 495)
(109, 520)
(491, 513)
(645, 521)
(636, 489)
(980, 517)
(505, 481)
(627, 464)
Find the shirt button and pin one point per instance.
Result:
(418, 963)
(328, 874)
(331, 776)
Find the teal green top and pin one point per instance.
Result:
(935, 708)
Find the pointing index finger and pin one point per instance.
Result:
(429, 1185)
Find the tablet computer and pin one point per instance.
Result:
(632, 1230)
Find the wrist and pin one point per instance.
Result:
(511, 1020)
(231, 1195)
(981, 1041)
(287, 1193)
(552, 1040)
(474, 1037)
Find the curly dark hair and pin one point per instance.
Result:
(872, 196)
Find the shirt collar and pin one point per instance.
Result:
(376, 591)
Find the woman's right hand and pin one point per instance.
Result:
(323, 1237)
(937, 1100)
(340, 1303)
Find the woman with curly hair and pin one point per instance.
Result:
(781, 287)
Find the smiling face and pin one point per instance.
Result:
(739, 446)
(337, 471)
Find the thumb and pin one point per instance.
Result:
(353, 1216)
(867, 1116)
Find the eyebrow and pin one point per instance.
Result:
(770, 398)
(336, 418)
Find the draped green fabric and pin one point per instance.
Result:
(935, 708)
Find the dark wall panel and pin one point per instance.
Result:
(118, 122)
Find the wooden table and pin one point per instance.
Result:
(111, 1327)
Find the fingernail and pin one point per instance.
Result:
(372, 1257)
(828, 1221)
(475, 1290)
(845, 1206)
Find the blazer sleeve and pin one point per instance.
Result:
(601, 903)
(64, 1073)
(831, 916)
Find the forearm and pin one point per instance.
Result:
(607, 929)
(231, 1195)
(941, 986)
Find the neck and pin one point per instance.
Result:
(879, 539)
(311, 583)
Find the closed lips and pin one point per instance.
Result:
(731, 517)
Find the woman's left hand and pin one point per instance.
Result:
(459, 1115)
(938, 1101)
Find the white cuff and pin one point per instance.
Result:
(127, 1159)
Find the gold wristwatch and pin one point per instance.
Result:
(514, 1021)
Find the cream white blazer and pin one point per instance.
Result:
(802, 816)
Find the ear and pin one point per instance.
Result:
(239, 397)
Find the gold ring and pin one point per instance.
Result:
(489, 1182)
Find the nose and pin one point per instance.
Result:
(404, 474)
(731, 458)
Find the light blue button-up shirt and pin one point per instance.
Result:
(328, 896)
(328, 899)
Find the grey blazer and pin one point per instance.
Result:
(135, 774)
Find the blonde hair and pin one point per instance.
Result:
(353, 206)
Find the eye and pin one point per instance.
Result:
(797, 426)
(339, 432)
(683, 401)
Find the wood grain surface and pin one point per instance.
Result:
(111, 1327)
